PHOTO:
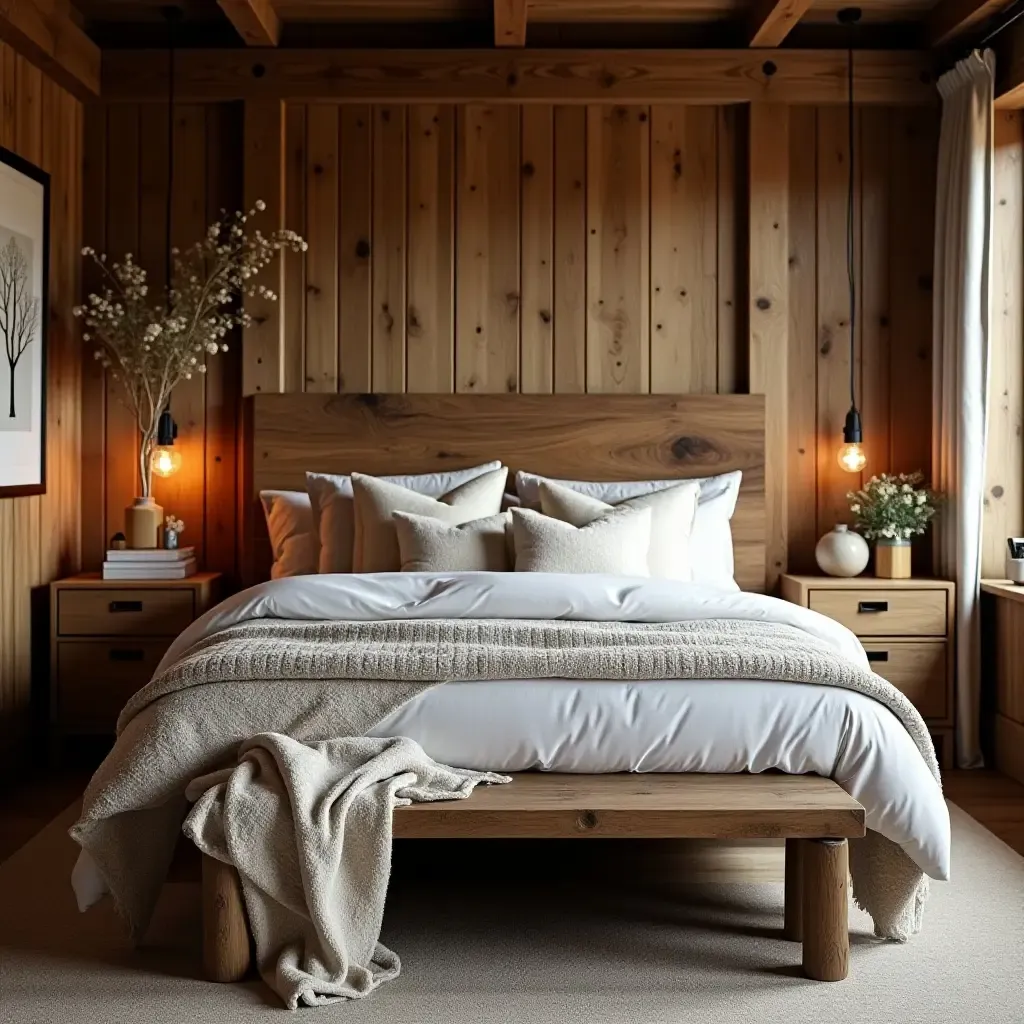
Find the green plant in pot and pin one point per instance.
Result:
(889, 510)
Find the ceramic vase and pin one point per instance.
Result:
(892, 559)
(841, 552)
(142, 522)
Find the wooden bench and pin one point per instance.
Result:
(813, 815)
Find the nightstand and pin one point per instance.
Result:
(106, 639)
(907, 629)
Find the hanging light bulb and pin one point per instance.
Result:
(851, 457)
(163, 456)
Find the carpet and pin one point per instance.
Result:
(520, 938)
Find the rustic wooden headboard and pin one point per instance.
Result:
(583, 437)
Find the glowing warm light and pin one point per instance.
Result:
(852, 458)
(166, 460)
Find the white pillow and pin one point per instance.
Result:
(334, 515)
(429, 545)
(711, 555)
(672, 515)
(615, 543)
(290, 526)
(376, 501)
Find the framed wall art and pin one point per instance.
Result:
(24, 276)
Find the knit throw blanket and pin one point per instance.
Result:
(320, 680)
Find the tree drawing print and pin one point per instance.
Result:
(19, 309)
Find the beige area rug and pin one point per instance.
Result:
(492, 948)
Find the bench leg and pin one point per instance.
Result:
(793, 929)
(826, 912)
(225, 930)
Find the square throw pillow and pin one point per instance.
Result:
(376, 549)
(290, 526)
(429, 545)
(672, 514)
(334, 513)
(711, 555)
(615, 543)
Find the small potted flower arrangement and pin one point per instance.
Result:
(889, 510)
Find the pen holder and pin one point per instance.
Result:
(1015, 570)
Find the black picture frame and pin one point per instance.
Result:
(42, 178)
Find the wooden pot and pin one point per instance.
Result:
(892, 560)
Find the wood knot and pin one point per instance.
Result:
(762, 303)
(586, 821)
(686, 448)
(362, 249)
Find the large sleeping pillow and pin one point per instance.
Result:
(711, 554)
(333, 511)
(376, 547)
(672, 514)
(616, 543)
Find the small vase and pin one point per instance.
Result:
(142, 522)
(170, 539)
(892, 559)
(841, 552)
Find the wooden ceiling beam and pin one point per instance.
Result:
(43, 32)
(772, 20)
(256, 21)
(509, 22)
(952, 18)
(524, 76)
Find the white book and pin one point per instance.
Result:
(149, 570)
(151, 555)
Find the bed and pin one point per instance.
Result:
(582, 726)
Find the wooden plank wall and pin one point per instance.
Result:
(1004, 481)
(562, 249)
(39, 536)
(125, 176)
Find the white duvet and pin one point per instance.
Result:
(602, 725)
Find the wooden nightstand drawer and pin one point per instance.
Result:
(915, 669)
(884, 612)
(124, 612)
(95, 678)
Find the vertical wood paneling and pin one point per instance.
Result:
(618, 255)
(684, 249)
(873, 282)
(39, 535)
(487, 250)
(833, 316)
(354, 254)
(801, 375)
(321, 232)
(295, 263)
(768, 313)
(537, 231)
(570, 250)
(731, 277)
(263, 342)
(1004, 494)
(431, 281)
(389, 226)
(183, 493)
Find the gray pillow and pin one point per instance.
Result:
(429, 545)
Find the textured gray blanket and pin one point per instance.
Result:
(320, 680)
(309, 829)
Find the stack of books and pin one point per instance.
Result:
(150, 564)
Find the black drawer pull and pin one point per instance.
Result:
(870, 607)
(126, 654)
(125, 606)
(878, 655)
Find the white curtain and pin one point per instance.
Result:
(960, 350)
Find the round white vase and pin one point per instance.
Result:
(841, 552)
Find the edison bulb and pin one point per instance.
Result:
(851, 458)
(165, 460)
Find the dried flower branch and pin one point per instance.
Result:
(151, 349)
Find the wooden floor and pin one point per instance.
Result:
(992, 799)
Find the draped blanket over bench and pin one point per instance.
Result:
(249, 670)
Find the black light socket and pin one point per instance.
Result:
(851, 429)
(166, 429)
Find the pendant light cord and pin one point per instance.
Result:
(172, 15)
(850, 253)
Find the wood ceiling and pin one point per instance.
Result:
(886, 23)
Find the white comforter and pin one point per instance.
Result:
(664, 725)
